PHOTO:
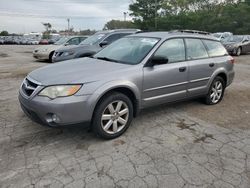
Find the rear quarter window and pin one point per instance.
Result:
(195, 49)
(215, 48)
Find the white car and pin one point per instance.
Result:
(223, 36)
(46, 52)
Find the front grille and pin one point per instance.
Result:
(28, 87)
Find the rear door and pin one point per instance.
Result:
(201, 67)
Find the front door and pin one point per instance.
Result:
(166, 82)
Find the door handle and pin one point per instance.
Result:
(182, 69)
(211, 65)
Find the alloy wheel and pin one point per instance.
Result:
(216, 92)
(115, 117)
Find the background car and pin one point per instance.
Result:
(223, 36)
(91, 45)
(46, 52)
(238, 44)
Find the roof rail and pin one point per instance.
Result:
(192, 31)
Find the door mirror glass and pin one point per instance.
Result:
(159, 60)
(104, 43)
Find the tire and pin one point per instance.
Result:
(107, 123)
(50, 56)
(216, 91)
(238, 51)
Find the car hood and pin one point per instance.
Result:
(73, 48)
(77, 71)
(51, 47)
(230, 43)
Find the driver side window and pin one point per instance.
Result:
(173, 50)
(73, 41)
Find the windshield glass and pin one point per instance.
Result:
(93, 39)
(217, 35)
(62, 40)
(128, 50)
(235, 39)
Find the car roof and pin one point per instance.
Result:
(171, 34)
(119, 31)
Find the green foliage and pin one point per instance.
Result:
(4, 33)
(206, 15)
(117, 24)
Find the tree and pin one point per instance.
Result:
(206, 15)
(4, 33)
(47, 26)
(145, 13)
(118, 24)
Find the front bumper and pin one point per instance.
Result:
(41, 55)
(57, 58)
(68, 110)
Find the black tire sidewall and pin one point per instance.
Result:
(208, 99)
(237, 51)
(102, 104)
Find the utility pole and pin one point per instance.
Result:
(156, 15)
(68, 20)
(125, 16)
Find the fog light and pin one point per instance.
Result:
(52, 118)
(55, 118)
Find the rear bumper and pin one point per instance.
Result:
(68, 110)
(230, 77)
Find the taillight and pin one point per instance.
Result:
(232, 60)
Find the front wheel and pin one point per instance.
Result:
(216, 91)
(112, 116)
(238, 51)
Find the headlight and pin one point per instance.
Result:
(68, 53)
(60, 91)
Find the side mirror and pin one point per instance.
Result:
(104, 43)
(66, 44)
(245, 41)
(158, 60)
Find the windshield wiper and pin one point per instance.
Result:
(107, 59)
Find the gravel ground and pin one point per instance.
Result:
(185, 144)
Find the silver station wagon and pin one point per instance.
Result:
(133, 73)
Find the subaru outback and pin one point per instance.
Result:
(133, 73)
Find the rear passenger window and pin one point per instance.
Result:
(215, 48)
(195, 49)
(172, 49)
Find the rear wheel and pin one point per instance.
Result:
(216, 91)
(112, 116)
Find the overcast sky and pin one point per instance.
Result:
(23, 16)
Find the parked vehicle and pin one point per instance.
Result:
(133, 73)
(238, 44)
(44, 42)
(222, 36)
(1, 40)
(91, 45)
(46, 52)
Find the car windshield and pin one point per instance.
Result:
(235, 39)
(217, 35)
(62, 40)
(93, 39)
(128, 50)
